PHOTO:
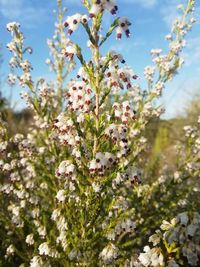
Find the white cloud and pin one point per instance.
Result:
(121, 47)
(143, 3)
(170, 12)
(22, 11)
(192, 53)
(11, 8)
(124, 47)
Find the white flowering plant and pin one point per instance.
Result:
(176, 244)
(72, 193)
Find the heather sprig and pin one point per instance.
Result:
(73, 194)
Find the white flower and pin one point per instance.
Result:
(123, 26)
(109, 253)
(159, 86)
(42, 231)
(149, 72)
(61, 195)
(156, 52)
(3, 146)
(66, 168)
(193, 20)
(30, 239)
(95, 9)
(10, 250)
(165, 225)
(96, 187)
(25, 78)
(44, 249)
(155, 239)
(55, 214)
(177, 177)
(169, 37)
(157, 259)
(12, 78)
(69, 52)
(12, 25)
(37, 261)
(93, 165)
(13, 62)
(145, 258)
(72, 22)
(151, 257)
(26, 65)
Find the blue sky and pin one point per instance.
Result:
(151, 20)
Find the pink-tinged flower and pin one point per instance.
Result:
(123, 27)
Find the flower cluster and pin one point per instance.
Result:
(109, 253)
(118, 77)
(11, 26)
(72, 22)
(66, 169)
(118, 135)
(101, 5)
(45, 249)
(79, 96)
(151, 257)
(67, 132)
(57, 46)
(69, 51)
(129, 178)
(123, 26)
(180, 236)
(102, 163)
(123, 112)
(16, 60)
(126, 226)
